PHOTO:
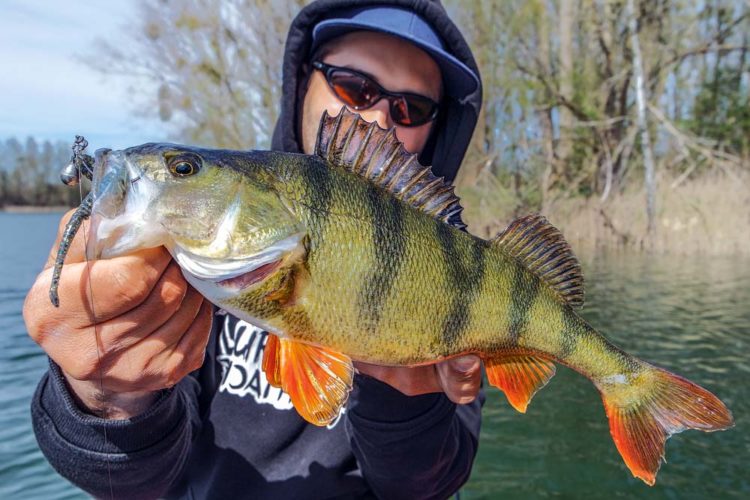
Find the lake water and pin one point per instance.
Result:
(690, 315)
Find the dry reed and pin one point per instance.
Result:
(707, 215)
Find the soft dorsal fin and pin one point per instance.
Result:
(361, 147)
(542, 249)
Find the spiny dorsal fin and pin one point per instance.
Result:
(541, 247)
(348, 141)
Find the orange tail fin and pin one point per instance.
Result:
(647, 410)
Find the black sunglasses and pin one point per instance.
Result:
(359, 91)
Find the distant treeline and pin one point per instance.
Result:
(30, 173)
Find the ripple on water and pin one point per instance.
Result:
(687, 315)
(24, 473)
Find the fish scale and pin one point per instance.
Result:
(359, 253)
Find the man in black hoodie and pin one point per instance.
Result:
(223, 431)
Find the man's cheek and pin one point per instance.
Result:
(414, 139)
(310, 123)
(317, 101)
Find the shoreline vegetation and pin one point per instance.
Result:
(709, 215)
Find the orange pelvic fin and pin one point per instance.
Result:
(317, 380)
(519, 376)
(659, 404)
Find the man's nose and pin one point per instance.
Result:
(380, 113)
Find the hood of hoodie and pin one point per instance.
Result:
(447, 145)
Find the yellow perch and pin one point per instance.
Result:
(358, 253)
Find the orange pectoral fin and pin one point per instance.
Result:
(519, 377)
(271, 360)
(318, 380)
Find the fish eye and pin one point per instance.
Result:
(184, 165)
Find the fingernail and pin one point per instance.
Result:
(464, 364)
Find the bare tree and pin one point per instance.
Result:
(215, 67)
(566, 18)
(642, 120)
(29, 173)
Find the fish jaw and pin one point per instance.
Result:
(120, 216)
(222, 279)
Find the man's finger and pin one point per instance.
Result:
(185, 353)
(460, 378)
(125, 330)
(144, 366)
(115, 285)
(411, 381)
(165, 338)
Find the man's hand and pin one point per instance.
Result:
(458, 377)
(150, 325)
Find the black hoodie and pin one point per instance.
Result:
(447, 147)
(224, 432)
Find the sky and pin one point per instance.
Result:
(48, 92)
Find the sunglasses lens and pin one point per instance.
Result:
(359, 92)
(411, 110)
(354, 90)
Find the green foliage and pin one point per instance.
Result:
(722, 111)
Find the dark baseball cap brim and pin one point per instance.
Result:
(459, 80)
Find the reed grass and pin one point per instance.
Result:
(707, 215)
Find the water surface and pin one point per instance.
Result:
(24, 473)
(689, 315)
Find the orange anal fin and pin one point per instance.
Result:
(519, 376)
(317, 380)
(669, 404)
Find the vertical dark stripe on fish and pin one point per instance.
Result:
(523, 294)
(464, 280)
(570, 334)
(317, 179)
(389, 246)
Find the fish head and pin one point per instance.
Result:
(219, 213)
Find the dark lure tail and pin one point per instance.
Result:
(82, 213)
(80, 164)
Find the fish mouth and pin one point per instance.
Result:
(250, 278)
(237, 274)
(119, 215)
